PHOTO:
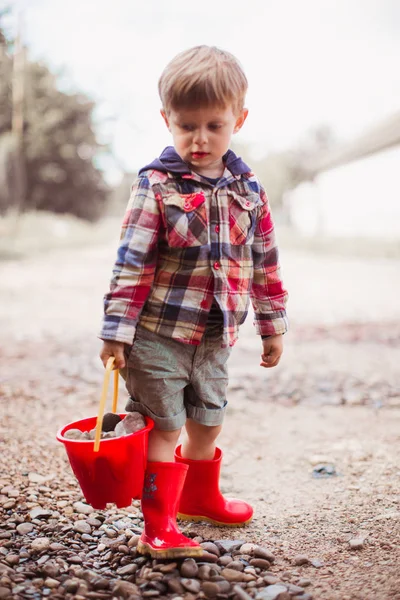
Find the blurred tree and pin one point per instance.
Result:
(120, 195)
(59, 144)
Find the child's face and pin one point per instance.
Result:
(203, 135)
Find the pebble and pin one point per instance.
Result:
(274, 592)
(51, 569)
(110, 420)
(82, 527)
(175, 586)
(168, 568)
(133, 422)
(356, 543)
(225, 560)
(304, 582)
(125, 589)
(71, 585)
(208, 557)
(261, 563)
(247, 548)
(316, 563)
(191, 585)
(73, 434)
(25, 528)
(133, 541)
(210, 588)
(294, 589)
(232, 575)
(93, 522)
(204, 572)
(127, 570)
(111, 533)
(264, 553)
(56, 547)
(36, 478)
(77, 560)
(39, 513)
(271, 579)
(237, 565)
(51, 583)
(189, 568)
(241, 593)
(210, 547)
(301, 559)
(40, 544)
(82, 508)
(228, 546)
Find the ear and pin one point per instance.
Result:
(164, 116)
(240, 120)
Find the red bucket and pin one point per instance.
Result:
(111, 470)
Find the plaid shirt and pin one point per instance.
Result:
(185, 242)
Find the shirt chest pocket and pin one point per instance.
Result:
(242, 218)
(186, 220)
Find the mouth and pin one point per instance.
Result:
(197, 155)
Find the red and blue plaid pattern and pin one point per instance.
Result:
(185, 242)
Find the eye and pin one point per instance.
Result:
(186, 127)
(214, 126)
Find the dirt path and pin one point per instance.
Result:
(335, 399)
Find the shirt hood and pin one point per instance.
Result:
(170, 162)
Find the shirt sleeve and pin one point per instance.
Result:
(268, 295)
(134, 269)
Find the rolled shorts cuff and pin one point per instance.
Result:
(164, 423)
(206, 416)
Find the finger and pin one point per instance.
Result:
(269, 360)
(104, 356)
(269, 365)
(119, 360)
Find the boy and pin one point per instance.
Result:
(197, 242)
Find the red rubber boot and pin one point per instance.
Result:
(201, 498)
(162, 490)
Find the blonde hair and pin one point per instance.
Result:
(203, 76)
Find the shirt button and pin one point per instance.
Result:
(216, 265)
(217, 229)
(247, 203)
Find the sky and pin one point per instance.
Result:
(309, 63)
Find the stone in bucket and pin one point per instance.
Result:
(113, 426)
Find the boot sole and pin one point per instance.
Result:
(143, 548)
(197, 519)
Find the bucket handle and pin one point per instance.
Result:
(103, 397)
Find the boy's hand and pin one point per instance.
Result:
(272, 351)
(115, 349)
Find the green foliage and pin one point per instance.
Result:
(59, 145)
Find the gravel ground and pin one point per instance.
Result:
(313, 444)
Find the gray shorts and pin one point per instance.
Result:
(171, 381)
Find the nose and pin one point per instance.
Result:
(200, 136)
